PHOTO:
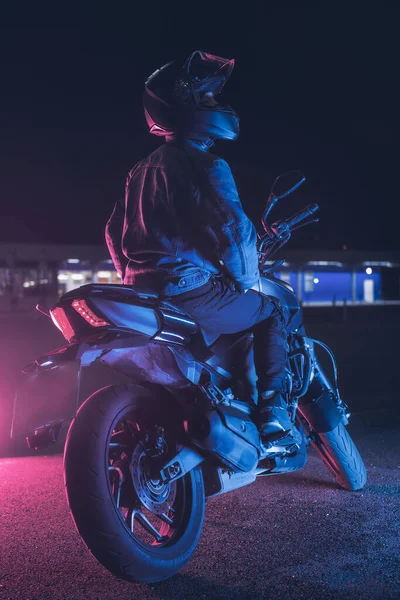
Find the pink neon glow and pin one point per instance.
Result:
(222, 61)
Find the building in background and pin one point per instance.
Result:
(40, 273)
(342, 277)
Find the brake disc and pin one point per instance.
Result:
(155, 495)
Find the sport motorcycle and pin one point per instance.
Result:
(142, 455)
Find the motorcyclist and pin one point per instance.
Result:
(183, 233)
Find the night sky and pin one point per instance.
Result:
(314, 87)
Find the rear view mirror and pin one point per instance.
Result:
(283, 185)
(286, 183)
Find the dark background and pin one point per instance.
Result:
(314, 85)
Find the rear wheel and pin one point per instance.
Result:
(136, 526)
(340, 455)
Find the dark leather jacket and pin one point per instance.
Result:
(182, 222)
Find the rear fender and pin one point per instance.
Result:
(46, 391)
(53, 359)
(52, 387)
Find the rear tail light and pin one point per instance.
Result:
(60, 320)
(82, 309)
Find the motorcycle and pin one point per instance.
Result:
(141, 458)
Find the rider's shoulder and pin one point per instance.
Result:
(208, 160)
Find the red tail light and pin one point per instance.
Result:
(82, 308)
(60, 320)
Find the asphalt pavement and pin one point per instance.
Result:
(288, 537)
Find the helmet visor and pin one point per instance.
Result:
(207, 73)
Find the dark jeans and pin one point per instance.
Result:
(220, 310)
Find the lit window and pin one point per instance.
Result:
(308, 281)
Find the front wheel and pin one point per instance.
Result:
(137, 527)
(340, 455)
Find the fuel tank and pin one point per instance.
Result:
(271, 286)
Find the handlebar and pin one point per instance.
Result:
(280, 232)
(300, 216)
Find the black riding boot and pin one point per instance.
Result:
(272, 417)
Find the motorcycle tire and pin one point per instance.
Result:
(95, 487)
(340, 455)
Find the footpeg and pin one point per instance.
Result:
(285, 445)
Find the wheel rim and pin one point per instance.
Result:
(152, 511)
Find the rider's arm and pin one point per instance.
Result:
(234, 231)
(113, 235)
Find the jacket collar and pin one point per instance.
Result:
(204, 146)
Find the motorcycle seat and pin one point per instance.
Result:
(145, 294)
(146, 297)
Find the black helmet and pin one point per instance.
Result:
(173, 99)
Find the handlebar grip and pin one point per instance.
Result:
(300, 216)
